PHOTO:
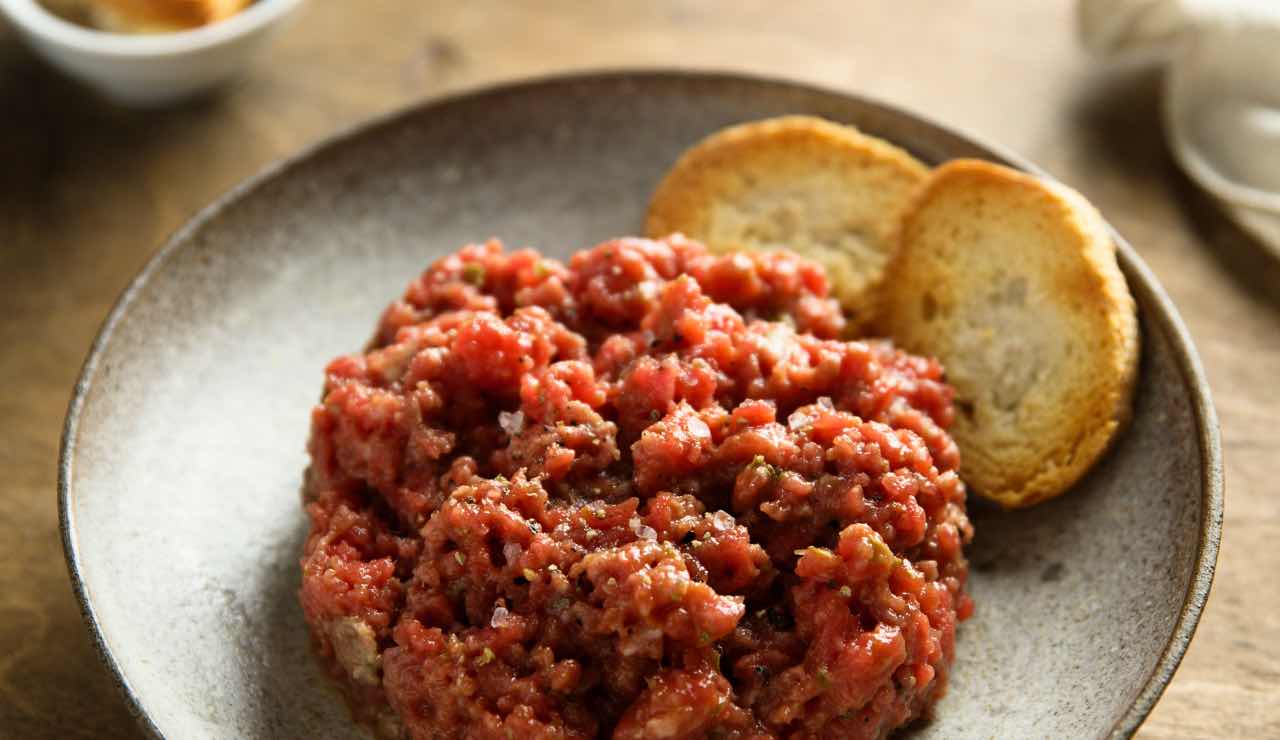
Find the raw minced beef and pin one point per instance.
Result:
(647, 494)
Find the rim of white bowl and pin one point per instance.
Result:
(34, 18)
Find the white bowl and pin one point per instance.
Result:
(148, 69)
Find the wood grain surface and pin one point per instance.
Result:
(88, 191)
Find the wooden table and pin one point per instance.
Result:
(88, 191)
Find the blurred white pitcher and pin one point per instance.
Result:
(1222, 90)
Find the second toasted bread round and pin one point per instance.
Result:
(1012, 282)
(822, 189)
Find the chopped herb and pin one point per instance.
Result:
(560, 604)
(654, 415)
(704, 638)
(824, 678)
(846, 592)
(883, 555)
(759, 462)
(486, 657)
(820, 553)
(460, 557)
(715, 660)
(473, 273)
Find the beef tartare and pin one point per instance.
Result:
(649, 493)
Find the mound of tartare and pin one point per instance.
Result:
(647, 494)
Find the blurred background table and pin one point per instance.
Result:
(88, 191)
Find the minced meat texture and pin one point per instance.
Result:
(647, 494)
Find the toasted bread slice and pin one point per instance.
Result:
(160, 16)
(1012, 282)
(821, 189)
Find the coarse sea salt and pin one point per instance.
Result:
(511, 422)
(643, 531)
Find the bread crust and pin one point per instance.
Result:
(1012, 282)
(822, 189)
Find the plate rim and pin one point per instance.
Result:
(1142, 281)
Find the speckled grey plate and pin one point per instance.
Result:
(184, 442)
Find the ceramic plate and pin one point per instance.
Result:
(184, 443)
